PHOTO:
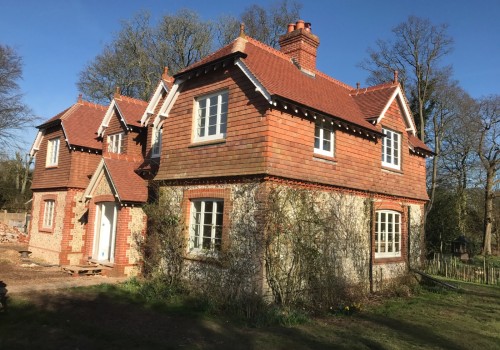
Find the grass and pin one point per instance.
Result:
(110, 317)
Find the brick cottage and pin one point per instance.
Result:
(245, 114)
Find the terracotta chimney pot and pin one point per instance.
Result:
(291, 27)
(300, 24)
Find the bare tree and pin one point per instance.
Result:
(267, 25)
(488, 149)
(183, 39)
(138, 54)
(449, 136)
(415, 52)
(14, 113)
(135, 59)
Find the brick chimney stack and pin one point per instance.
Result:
(299, 43)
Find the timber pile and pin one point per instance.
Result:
(83, 270)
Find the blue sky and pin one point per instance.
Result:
(58, 38)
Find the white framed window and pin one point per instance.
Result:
(48, 213)
(52, 152)
(324, 138)
(206, 224)
(156, 142)
(388, 234)
(115, 143)
(211, 117)
(391, 149)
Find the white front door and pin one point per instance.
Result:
(104, 240)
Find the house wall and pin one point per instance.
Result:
(76, 220)
(46, 244)
(269, 141)
(241, 153)
(83, 164)
(54, 176)
(357, 161)
(130, 223)
(149, 129)
(350, 236)
(132, 140)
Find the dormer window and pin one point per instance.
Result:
(211, 117)
(52, 152)
(156, 141)
(323, 138)
(391, 149)
(115, 143)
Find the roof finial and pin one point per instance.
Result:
(242, 30)
(357, 86)
(395, 77)
(79, 98)
(165, 75)
(117, 92)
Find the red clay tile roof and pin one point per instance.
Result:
(372, 101)
(417, 143)
(130, 186)
(281, 77)
(80, 123)
(132, 109)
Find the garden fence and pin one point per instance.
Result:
(454, 268)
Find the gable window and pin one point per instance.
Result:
(211, 116)
(48, 213)
(206, 224)
(391, 149)
(388, 234)
(52, 152)
(115, 143)
(323, 138)
(156, 142)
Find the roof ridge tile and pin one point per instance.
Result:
(132, 100)
(377, 87)
(91, 104)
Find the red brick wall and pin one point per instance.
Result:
(150, 125)
(83, 165)
(54, 176)
(357, 163)
(132, 141)
(264, 141)
(241, 153)
(73, 167)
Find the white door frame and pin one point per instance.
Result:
(102, 212)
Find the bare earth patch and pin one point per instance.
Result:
(28, 275)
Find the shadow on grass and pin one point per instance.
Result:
(97, 319)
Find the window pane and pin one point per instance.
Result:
(206, 242)
(209, 206)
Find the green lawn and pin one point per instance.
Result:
(109, 317)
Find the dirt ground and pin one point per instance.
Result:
(27, 275)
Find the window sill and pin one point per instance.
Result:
(325, 159)
(46, 230)
(206, 143)
(392, 170)
(204, 257)
(52, 166)
(395, 259)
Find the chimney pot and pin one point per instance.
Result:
(300, 45)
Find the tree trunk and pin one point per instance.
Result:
(488, 211)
